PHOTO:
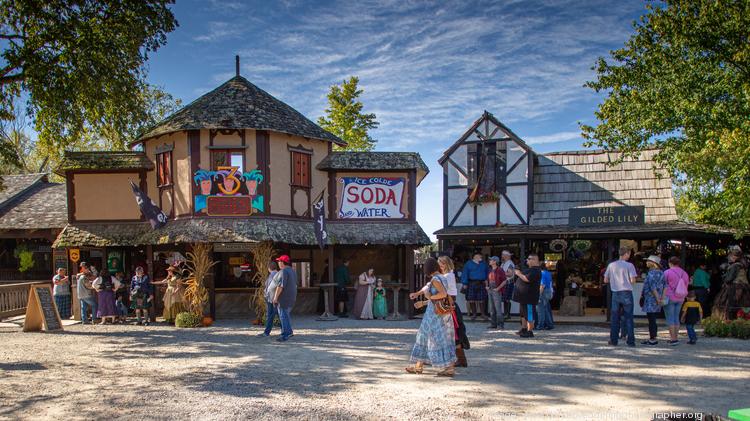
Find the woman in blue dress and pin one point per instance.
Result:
(653, 289)
(435, 343)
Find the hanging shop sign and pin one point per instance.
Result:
(606, 216)
(372, 197)
(75, 255)
(228, 192)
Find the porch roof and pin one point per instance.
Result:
(235, 230)
(675, 228)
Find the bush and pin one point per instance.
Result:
(739, 329)
(187, 319)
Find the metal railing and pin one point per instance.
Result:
(14, 297)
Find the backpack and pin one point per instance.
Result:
(681, 290)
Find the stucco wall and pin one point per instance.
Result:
(105, 196)
(280, 169)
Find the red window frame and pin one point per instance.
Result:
(164, 169)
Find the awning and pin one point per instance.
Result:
(240, 230)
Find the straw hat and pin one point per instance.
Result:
(654, 259)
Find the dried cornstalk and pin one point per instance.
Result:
(262, 254)
(199, 264)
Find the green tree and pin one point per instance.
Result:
(345, 119)
(79, 64)
(682, 83)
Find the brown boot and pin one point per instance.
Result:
(461, 357)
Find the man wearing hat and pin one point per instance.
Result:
(285, 296)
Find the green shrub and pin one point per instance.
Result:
(187, 319)
(739, 329)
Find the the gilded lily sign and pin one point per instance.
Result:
(606, 216)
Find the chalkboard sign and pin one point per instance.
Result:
(41, 311)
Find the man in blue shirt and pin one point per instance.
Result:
(544, 308)
(474, 278)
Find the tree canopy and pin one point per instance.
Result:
(345, 119)
(681, 84)
(80, 66)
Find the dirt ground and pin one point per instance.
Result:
(352, 369)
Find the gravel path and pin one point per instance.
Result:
(352, 369)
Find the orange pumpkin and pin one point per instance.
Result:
(207, 321)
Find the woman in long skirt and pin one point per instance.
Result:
(174, 301)
(435, 339)
(363, 300)
(106, 297)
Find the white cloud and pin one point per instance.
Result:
(554, 138)
(218, 31)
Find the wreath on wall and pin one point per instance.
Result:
(559, 245)
(582, 245)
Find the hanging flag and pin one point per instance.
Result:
(319, 219)
(155, 216)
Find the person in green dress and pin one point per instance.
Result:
(379, 306)
(701, 282)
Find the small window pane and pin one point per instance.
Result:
(238, 161)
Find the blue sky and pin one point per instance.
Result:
(428, 69)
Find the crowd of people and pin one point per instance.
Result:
(110, 298)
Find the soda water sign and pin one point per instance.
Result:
(373, 197)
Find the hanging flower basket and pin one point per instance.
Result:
(486, 197)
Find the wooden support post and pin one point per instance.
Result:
(683, 253)
(150, 273)
(522, 252)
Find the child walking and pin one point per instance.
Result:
(692, 313)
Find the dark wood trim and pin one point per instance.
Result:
(244, 150)
(475, 215)
(517, 163)
(134, 170)
(412, 205)
(516, 184)
(71, 192)
(166, 147)
(457, 167)
(333, 213)
(299, 148)
(445, 195)
(144, 188)
(530, 190)
(454, 187)
(263, 157)
(194, 153)
(226, 147)
(458, 213)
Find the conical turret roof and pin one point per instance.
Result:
(238, 104)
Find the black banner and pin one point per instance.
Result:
(319, 219)
(606, 216)
(150, 211)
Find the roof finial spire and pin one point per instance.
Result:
(237, 64)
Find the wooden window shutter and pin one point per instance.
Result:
(305, 169)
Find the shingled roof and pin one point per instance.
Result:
(238, 104)
(565, 180)
(375, 161)
(246, 230)
(104, 160)
(33, 204)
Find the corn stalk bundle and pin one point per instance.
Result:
(263, 253)
(199, 264)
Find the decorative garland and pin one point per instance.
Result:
(582, 245)
(558, 245)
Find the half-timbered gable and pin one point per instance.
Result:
(486, 177)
